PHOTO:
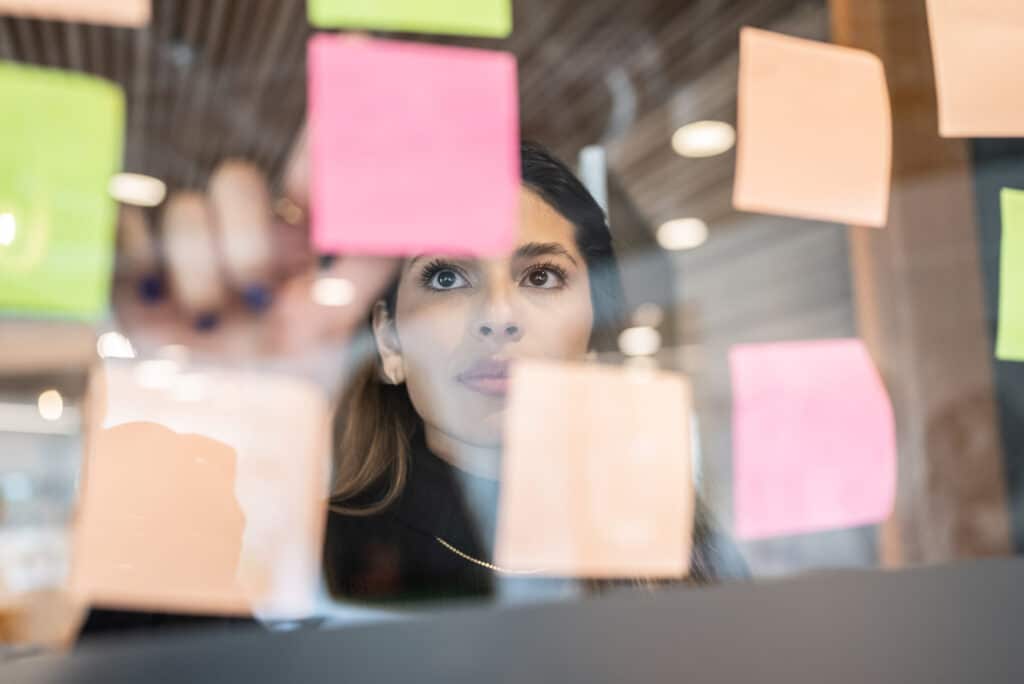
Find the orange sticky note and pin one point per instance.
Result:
(111, 12)
(815, 131)
(814, 441)
(596, 473)
(977, 48)
(203, 491)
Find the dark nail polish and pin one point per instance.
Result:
(257, 298)
(151, 289)
(207, 321)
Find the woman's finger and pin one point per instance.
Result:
(191, 255)
(138, 259)
(239, 197)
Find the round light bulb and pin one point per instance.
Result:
(642, 340)
(684, 233)
(704, 139)
(137, 189)
(333, 291)
(51, 405)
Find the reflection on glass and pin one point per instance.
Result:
(421, 426)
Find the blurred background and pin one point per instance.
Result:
(610, 87)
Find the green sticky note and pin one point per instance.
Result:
(487, 18)
(63, 135)
(1010, 338)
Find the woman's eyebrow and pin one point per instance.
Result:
(532, 250)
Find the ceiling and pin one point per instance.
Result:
(210, 79)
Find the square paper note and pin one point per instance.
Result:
(1010, 340)
(63, 134)
(815, 131)
(977, 47)
(487, 18)
(414, 148)
(596, 473)
(814, 445)
(111, 12)
(203, 491)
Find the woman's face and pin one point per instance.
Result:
(458, 323)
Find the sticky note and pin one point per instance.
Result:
(486, 18)
(596, 478)
(977, 48)
(133, 13)
(815, 131)
(63, 135)
(1010, 336)
(203, 491)
(814, 444)
(414, 148)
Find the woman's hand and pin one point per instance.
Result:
(232, 280)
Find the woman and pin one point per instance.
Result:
(418, 432)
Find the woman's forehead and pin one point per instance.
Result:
(539, 222)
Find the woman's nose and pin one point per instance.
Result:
(497, 320)
(510, 332)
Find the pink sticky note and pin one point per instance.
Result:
(203, 491)
(815, 131)
(814, 444)
(113, 12)
(596, 472)
(977, 46)
(414, 148)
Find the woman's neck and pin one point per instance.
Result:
(476, 460)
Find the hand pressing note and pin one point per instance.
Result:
(228, 279)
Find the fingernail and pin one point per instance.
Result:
(257, 298)
(151, 289)
(207, 321)
(326, 261)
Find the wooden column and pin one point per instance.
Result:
(920, 309)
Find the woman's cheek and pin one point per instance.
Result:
(565, 330)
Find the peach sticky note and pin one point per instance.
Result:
(596, 474)
(414, 148)
(977, 48)
(1010, 338)
(133, 13)
(814, 444)
(487, 18)
(203, 491)
(815, 131)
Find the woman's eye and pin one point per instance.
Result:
(447, 279)
(543, 278)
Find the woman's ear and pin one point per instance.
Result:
(392, 365)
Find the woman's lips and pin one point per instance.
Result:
(487, 377)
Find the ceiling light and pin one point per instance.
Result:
(704, 139)
(333, 291)
(639, 341)
(684, 233)
(51, 405)
(134, 188)
(114, 345)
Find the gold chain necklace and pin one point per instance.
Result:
(483, 564)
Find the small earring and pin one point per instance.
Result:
(392, 372)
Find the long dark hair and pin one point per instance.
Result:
(376, 421)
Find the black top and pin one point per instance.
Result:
(397, 554)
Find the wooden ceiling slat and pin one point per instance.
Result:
(216, 78)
